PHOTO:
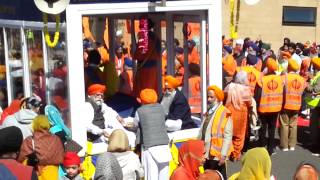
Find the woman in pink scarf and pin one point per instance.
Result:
(238, 101)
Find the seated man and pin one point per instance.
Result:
(177, 109)
(100, 118)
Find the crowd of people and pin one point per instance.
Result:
(260, 87)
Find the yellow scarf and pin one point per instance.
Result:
(256, 165)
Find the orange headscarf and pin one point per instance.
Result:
(272, 65)
(218, 92)
(148, 96)
(190, 158)
(96, 88)
(316, 62)
(171, 82)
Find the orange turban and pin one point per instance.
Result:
(96, 88)
(293, 65)
(171, 82)
(316, 62)
(226, 42)
(272, 65)
(286, 55)
(2, 69)
(229, 65)
(148, 96)
(217, 91)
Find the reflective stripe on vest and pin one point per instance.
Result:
(217, 131)
(294, 87)
(272, 94)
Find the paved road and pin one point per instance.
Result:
(284, 164)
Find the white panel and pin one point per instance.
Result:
(76, 75)
(203, 64)
(45, 66)
(25, 61)
(215, 44)
(8, 77)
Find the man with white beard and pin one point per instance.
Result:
(101, 119)
(176, 107)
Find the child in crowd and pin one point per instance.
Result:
(71, 163)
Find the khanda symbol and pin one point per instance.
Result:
(272, 85)
(295, 84)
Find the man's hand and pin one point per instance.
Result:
(122, 122)
(222, 160)
(105, 134)
(129, 125)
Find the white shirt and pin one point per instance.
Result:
(110, 116)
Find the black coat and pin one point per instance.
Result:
(180, 109)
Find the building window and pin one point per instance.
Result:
(299, 16)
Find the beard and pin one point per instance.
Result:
(212, 104)
(99, 102)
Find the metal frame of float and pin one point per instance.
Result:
(74, 12)
(21, 25)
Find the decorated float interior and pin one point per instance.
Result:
(35, 62)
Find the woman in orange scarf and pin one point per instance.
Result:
(191, 157)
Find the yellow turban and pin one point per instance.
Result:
(148, 96)
(293, 65)
(40, 122)
(171, 82)
(316, 62)
(272, 65)
(217, 91)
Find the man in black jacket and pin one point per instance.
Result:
(177, 109)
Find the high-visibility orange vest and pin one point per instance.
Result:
(217, 131)
(272, 94)
(253, 76)
(294, 87)
(119, 65)
(194, 98)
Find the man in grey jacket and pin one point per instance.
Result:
(23, 118)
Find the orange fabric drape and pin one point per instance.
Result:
(195, 94)
(146, 75)
(193, 56)
(86, 29)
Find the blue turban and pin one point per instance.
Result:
(128, 62)
(228, 49)
(252, 59)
